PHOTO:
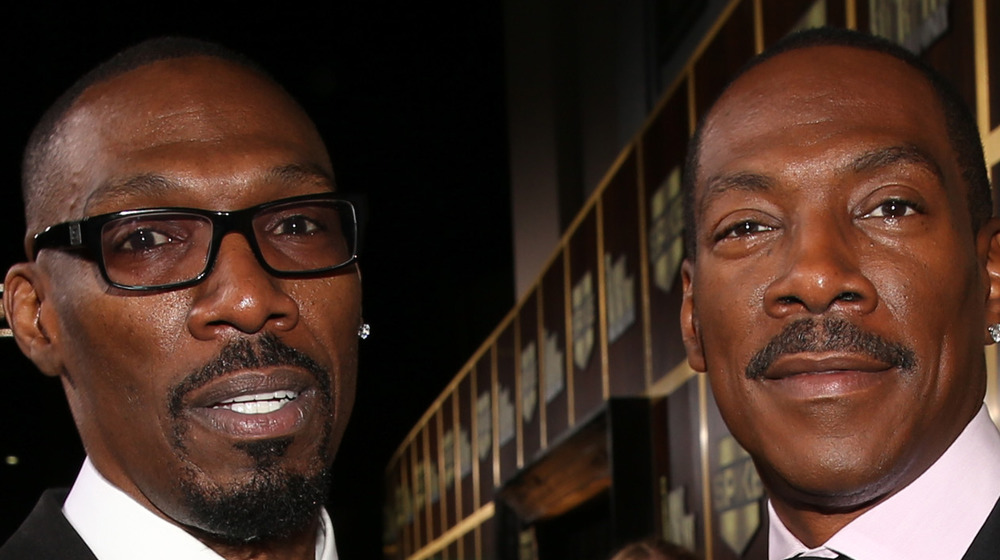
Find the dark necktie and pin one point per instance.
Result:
(804, 557)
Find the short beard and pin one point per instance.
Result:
(273, 505)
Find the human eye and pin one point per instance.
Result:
(894, 208)
(297, 224)
(143, 240)
(741, 229)
(145, 236)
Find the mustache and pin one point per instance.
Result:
(265, 351)
(832, 334)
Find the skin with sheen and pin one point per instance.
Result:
(838, 296)
(151, 377)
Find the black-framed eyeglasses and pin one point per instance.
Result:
(162, 248)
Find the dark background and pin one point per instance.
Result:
(410, 99)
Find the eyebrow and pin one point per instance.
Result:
(747, 181)
(867, 162)
(155, 185)
(892, 155)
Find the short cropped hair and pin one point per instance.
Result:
(963, 133)
(38, 168)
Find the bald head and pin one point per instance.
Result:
(962, 131)
(44, 171)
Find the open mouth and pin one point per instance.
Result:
(260, 403)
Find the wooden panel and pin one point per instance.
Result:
(732, 47)
(663, 146)
(485, 427)
(568, 475)
(528, 380)
(419, 492)
(681, 486)
(434, 475)
(588, 390)
(466, 453)
(993, 56)
(781, 17)
(468, 545)
(554, 350)
(422, 488)
(396, 502)
(506, 406)
(626, 352)
(488, 540)
(953, 55)
(449, 463)
(738, 507)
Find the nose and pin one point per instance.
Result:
(821, 272)
(239, 295)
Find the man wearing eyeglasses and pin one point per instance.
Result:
(192, 282)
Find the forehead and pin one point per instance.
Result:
(186, 118)
(799, 104)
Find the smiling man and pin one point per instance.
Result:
(192, 282)
(843, 276)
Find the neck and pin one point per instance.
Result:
(812, 527)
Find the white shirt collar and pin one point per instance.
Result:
(116, 527)
(937, 516)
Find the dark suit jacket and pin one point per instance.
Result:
(987, 543)
(46, 534)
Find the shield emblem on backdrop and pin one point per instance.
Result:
(620, 296)
(736, 495)
(666, 244)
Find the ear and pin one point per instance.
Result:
(24, 307)
(690, 329)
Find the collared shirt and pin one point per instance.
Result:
(116, 527)
(937, 516)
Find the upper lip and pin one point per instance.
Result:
(249, 383)
(823, 362)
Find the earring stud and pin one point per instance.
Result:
(994, 332)
(365, 329)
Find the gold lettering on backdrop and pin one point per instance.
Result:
(529, 380)
(736, 494)
(554, 364)
(678, 524)
(484, 425)
(666, 244)
(621, 296)
(584, 319)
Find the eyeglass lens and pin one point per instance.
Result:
(171, 247)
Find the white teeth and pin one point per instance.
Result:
(261, 403)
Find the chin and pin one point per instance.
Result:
(832, 483)
(268, 505)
